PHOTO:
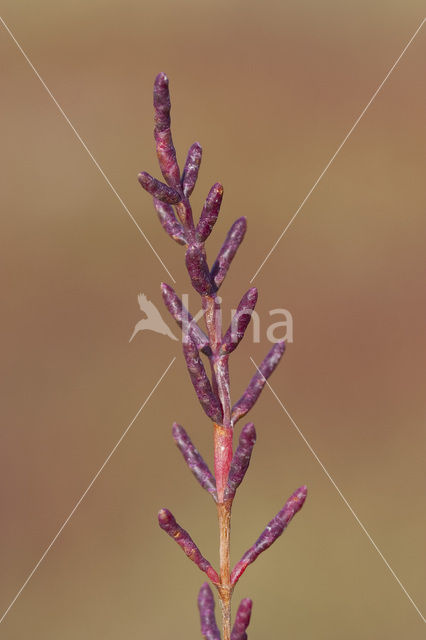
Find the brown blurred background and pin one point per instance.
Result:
(270, 90)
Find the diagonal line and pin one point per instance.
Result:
(80, 139)
(340, 494)
(95, 477)
(339, 148)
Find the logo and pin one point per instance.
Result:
(275, 331)
(153, 320)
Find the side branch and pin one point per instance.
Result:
(273, 531)
(194, 460)
(168, 523)
(253, 391)
(242, 620)
(209, 628)
(200, 381)
(240, 460)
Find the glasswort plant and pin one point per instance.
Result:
(171, 201)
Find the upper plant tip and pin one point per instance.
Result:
(176, 429)
(161, 78)
(164, 515)
(301, 493)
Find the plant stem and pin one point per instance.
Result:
(223, 450)
(225, 589)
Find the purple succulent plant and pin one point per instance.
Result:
(171, 201)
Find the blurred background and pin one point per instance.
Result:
(270, 90)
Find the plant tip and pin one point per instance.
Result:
(161, 78)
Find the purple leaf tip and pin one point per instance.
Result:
(242, 620)
(163, 137)
(206, 605)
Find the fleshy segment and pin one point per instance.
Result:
(240, 460)
(158, 189)
(208, 400)
(162, 133)
(229, 249)
(194, 460)
(169, 222)
(251, 394)
(209, 629)
(210, 212)
(240, 322)
(190, 171)
(198, 270)
(168, 523)
(184, 319)
(273, 531)
(242, 620)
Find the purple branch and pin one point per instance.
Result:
(198, 270)
(251, 394)
(168, 523)
(239, 322)
(163, 137)
(199, 379)
(273, 531)
(209, 628)
(194, 460)
(158, 189)
(242, 620)
(190, 172)
(240, 460)
(169, 222)
(229, 249)
(184, 319)
(210, 212)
